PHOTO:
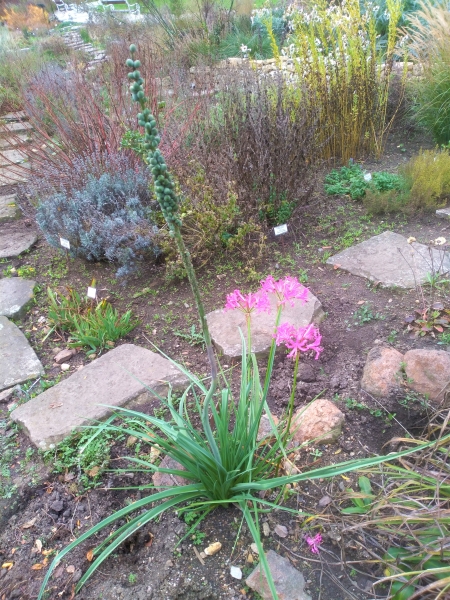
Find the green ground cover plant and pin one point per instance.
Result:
(352, 180)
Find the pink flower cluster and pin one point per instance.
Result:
(287, 290)
(299, 339)
(314, 543)
(249, 303)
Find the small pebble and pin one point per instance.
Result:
(236, 572)
(65, 367)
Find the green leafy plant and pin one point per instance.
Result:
(353, 181)
(95, 327)
(362, 500)
(192, 337)
(364, 314)
(26, 271)
(429, 321)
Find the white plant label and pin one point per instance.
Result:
(64, 243)
(368, 177)
(92, 293)
(280, 229)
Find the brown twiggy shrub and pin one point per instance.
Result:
(28, 17)
(259, 136)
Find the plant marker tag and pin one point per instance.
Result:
(92, 293)
(368, 177)
(64, 243)
(280, 229)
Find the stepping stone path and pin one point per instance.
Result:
(73, 40)
(14, 241)
(124, 376)
(9, 211)
(390, 260)
(225, 326)
(443, 213)
(14, 131)
(18, 361)
(16, 294)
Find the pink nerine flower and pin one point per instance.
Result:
(314, 543)
(287, 289)
(249, 303)
(299, 339)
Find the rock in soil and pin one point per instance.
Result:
(389, 259)
(225, 326)
(165, 480)
(382, 372)
(320, 421)
(289, 582)
(122, 377)
(16, 241)
(428, 373)
(18, 362)
(64, 355)
(16, 294)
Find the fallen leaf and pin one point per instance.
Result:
(93, 472)
(37, 567)
(281, 531)
(29, 524)
(361, 302)
(70, 569)
(7, 565)
(55, 405)
(336, 267)
(38, 545)
(48, 552)
(213, 549)
(338, 451)
(69, 476)
(90, 555)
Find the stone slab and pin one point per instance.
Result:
(225, 325)
(16, 294)
(122, 377)
(13, 128)
(388, 259)
(17, 140)
(443, 213)
(289, 582)
(9, 211)
(14, 174)
(18, 361)
(13, 243)
(12, 156)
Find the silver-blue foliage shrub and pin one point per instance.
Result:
(105, 211)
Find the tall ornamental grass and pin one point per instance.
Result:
(348, 78)
(430, 43)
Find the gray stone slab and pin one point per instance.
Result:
(118, 378)
(289, 582)
(16, 294)
(17, 140)
(443, 213)
(12, 156)
(388, 259)
(13, 243)
(225, 325)
(9, 211)
(13, 128)
(14, 116)
(18, 361)
(15, 174)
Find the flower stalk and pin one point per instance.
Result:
(164, 189)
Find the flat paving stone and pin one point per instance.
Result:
(122, 377)
(225, 325)
(20, 138)
(14, 242)
(18, 361)
(388, 259)
(13, 128)
(443, 213)
(9, 211)
(14, 174)
(16, 294)
(12, 156)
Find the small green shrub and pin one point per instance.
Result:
(107, 217)
(428, 176)
(96, 327)
(353, 181)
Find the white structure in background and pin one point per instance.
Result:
(84, 12)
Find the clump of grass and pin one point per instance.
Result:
(431, 91)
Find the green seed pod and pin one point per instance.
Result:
(137, 64)
(133, 48)
(140, 95)
(130, 76)
(130, 63)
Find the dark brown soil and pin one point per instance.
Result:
(148, 566)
